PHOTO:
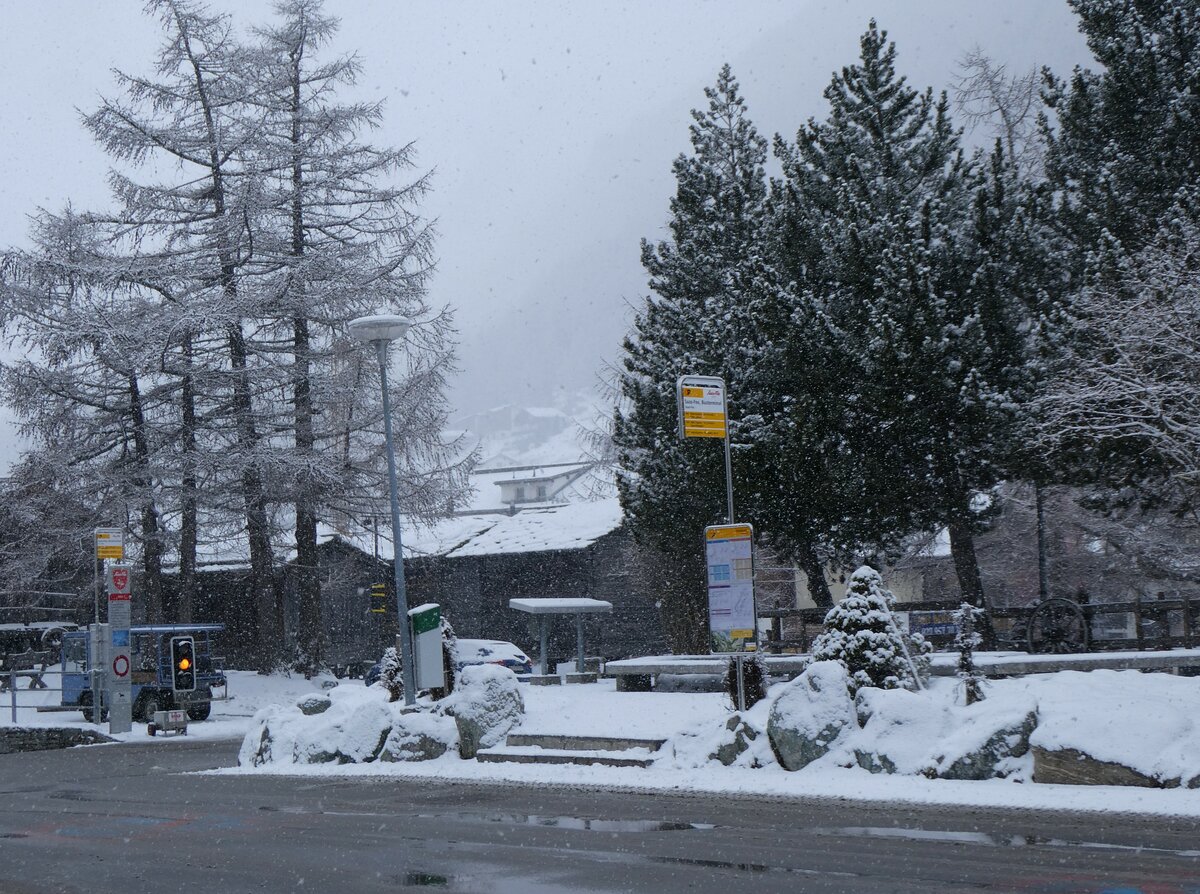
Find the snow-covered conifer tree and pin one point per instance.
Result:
(1122, 140)
(391, 674)
(910, 260)
(670, 488)
(861, 633)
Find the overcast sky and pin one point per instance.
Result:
(551, 128)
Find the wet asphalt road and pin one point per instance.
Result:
(129, 819)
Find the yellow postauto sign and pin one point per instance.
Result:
(702, 412)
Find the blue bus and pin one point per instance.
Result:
(150, 671)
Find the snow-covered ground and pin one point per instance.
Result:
(248, 692)
(1148, 721)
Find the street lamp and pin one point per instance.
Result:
(381, 330)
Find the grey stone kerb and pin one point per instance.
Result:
(566, 605)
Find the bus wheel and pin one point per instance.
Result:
(85, 705)
(148, 702)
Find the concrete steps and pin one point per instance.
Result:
(552, 748)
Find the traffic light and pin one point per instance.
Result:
(379, 599)
(183, 664)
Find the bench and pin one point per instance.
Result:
(24, 664)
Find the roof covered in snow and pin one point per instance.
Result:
(567, 526)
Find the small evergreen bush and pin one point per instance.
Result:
(861, 633)
(754, 680)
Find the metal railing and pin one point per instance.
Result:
(1157, 624)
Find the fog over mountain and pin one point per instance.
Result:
(551, 128)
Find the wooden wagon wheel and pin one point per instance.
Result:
(1058, 625)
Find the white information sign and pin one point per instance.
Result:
(701, 404)
(729, 555)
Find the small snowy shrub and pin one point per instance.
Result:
(754, 680)
(391, 674)
(967, 640)
(861, 633)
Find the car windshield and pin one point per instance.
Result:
(489, 650)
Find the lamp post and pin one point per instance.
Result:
(381, 330)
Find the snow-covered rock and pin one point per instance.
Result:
(1148, 723)
(810, 714)
(351, 725)
(312, 705)
(739, 741)
(485, 705)
(927, 733)
(419, 736)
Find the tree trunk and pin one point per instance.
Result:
(152, 546)
(308, 581)
(264, 590)
(814, 570)
(189, 532)
(966, 568)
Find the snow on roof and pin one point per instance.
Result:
(485, 485)
(560, 605)
(571, 526)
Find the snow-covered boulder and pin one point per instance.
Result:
(740, 741)
(351, 729)
(485, 705)
(810, 714)
(1007, 728)
(1095, 722)
(419, 736)
(899, 729)
(927, 733)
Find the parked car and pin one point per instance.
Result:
(493, 651)
(477, 651)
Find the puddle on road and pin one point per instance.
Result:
(982, 838)
(71, 794)
(586, 824)
(424, 879)
(754, 868)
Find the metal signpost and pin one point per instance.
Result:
(729, 549)
(109, 546)
(703, 413)
(119, 577)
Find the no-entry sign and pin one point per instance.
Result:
(120, 665)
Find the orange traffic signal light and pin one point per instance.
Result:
(183, 661)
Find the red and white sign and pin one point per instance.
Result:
(121, 665)
(119, 583)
